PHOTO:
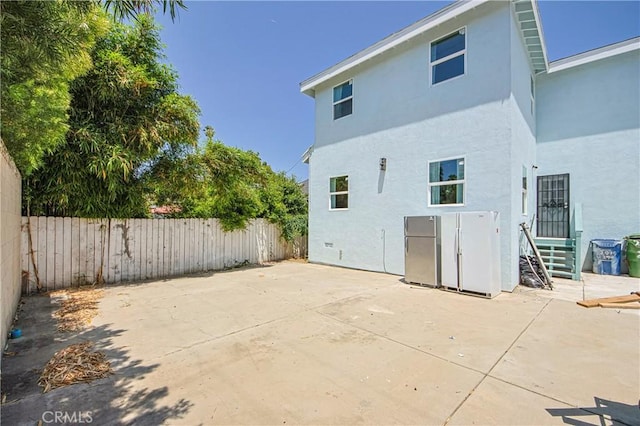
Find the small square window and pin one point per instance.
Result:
(446, 182)
(339, 192)
(343, 100)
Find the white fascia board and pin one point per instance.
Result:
(461, 6)
(536, 13)
(595, 55)
(307, 155)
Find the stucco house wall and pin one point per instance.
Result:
(507, 122)
(588, 122)
(399, 116)
(523, 148)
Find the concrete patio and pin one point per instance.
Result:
(296, 343)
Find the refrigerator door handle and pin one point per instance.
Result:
(406, 244)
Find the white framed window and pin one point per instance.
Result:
(533, 96)
(524, 190)
(339, 193)
(343, 99)
(448, 56)
(446, 182)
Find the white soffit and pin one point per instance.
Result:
(528, 17)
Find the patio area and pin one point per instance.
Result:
(298, 343)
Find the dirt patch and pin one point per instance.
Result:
(74, 364)
(78, 307)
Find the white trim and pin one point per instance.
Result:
(443, 15)
(307, 155)
(447, 182)
(595, 55)
(333, 111)
(338, 193)
(536, 13)
(446, 58)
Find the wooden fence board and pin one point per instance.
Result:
(72, 251)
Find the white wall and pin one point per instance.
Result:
(523, 149)
(10, 199)
(399, 116)
(589, 126)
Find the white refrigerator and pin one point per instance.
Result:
(470, 252)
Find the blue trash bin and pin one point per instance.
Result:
(606, 256)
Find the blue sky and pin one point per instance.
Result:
(243, 61)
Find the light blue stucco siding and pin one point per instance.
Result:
(399, 116)
(589, 126)
(523, 147)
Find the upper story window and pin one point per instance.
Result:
(446, 182)
(339, 192)
(343, 99)
(447, 57)
(533, 96)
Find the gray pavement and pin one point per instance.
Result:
(296, 343)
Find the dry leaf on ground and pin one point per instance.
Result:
(78, 307)
(74, 364)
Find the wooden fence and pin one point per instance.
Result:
(63, 252)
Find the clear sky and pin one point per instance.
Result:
(243, 61)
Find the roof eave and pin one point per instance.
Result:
(425, 24)
(528, 18)
(595, 55)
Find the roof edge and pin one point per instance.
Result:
(389, 42)
(595, 55)
(536, 12)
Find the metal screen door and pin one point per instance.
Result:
(553, 206)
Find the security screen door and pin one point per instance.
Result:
(553, 206)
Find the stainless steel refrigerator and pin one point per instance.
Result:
(421, 265)
(470, 248)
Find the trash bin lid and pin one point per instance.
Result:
(605, 243)
(634, 236)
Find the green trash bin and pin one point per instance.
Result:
(633, 255)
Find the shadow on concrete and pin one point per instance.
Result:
(606, 411)
(112, 400)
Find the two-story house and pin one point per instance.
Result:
(462, 111)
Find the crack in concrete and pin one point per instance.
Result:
(488, 373)
(201, 342)
(484, 374)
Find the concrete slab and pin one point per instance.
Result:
(312, 344)
(465, 330)
(591, 286)
(498, 403)
(311, 370)
(576, 355)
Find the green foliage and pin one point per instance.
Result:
(122, 9)
(227, 183)
(123, 112)
(45, 45)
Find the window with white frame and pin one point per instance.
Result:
(533, 96)
(446, 182)
(524, 190)
(447, 57)
(339, 192)
(343, 99)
